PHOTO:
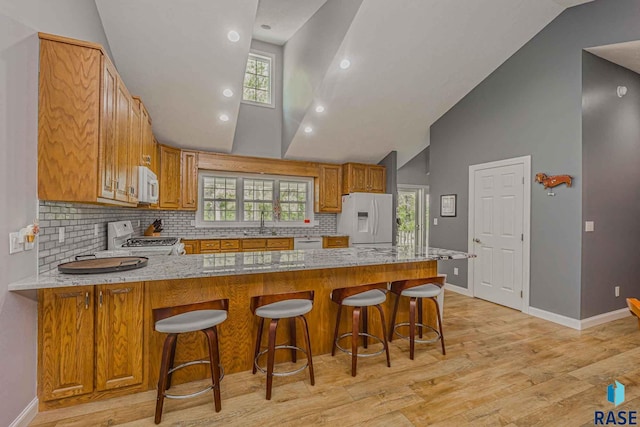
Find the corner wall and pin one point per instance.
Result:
(611, 176)
(531, 105)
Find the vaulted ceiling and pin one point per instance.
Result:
(411, 60)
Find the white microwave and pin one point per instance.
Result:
(148, 187)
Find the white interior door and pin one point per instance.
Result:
(498, 234)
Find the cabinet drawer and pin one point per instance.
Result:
(230, 245)
(209, 245)
(253, 244)
(335, 242)
(279, 244)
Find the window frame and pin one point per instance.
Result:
(272, 61)
(240, 177)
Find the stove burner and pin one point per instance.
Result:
(150, 241)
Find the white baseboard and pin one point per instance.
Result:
(604, 318)
(555, 318)
(457, 289)
(27, 415)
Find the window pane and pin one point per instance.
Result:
(251, 65)
(262, 96)
(249, 94)
(262, 83)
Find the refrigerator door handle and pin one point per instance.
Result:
(375, 210)
(372, 222)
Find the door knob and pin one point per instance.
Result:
(476, 240)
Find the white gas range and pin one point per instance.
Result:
(120, 241)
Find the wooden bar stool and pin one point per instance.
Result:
(417, 290)
(205, 317)
(360, 298)
(292, 306)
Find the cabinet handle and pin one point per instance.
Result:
(100, 299)
(70, 294)
(121, 291)
(86, 300)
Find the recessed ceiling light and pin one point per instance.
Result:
(224, 117)
(319, 109)
(308, 129)
(228, 93)
(345, 63)
(265, 27)
(233, 36)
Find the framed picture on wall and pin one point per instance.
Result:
(448, 205)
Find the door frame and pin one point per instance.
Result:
(525, 161)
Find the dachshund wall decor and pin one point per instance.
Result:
(553, 181)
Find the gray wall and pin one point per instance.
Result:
(611, 177)
(391, 163)
(259, 129)
(19, 23)
(531, 105)
(307, 56)
(415, 171)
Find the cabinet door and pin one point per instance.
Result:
(189, 188)
(108, 144)
(335, 242)
(377, 179)
(65, 353)
(191, 247)
(148, 145)
(135, 150)
(118, 335)
(355, 178)
(169, 178)
(123, 137)
(328, 192)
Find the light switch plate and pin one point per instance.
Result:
(60, 234)
(15, 243)
(435, 221)
(455, 271)
(588, 226)
(96, 229)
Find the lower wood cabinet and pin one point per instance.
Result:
(88, 333)
(213, 246)
(332, 242)
(191, 246)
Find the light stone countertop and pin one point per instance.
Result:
(167, 267)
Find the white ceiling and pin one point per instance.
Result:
(412, 60)
(285, 18)
(176, 56)
(571, 3)
(625, 54)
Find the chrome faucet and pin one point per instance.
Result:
(262, 229)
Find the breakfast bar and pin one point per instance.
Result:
(111, 314)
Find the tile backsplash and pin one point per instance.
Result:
(80, 221)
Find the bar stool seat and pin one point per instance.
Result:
(417, 290)
(204, 317)
(290, 306)
(360, 298)
(365, 299)
(191, 322)
(284, 309)
(423, 291)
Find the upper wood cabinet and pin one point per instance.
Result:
(149, 151)
(189, 180)
(169, 178)
(327, 188)
(363, 178)
(84, 125)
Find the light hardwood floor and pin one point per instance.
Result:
(502, 368)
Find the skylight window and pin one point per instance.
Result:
(257, 85)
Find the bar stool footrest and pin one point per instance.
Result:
(284, 373)
(418, 340)
(360, 334)
(196, 393)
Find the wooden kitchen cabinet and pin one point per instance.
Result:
(189, 180)
(230, 245)
(65, 342)
(332, 242)
(363, 178)
(280, 244)
(251, 245)
(169, 177)
(209, 246)
(87, 333)
(87, 158)
(148, 149)
(327, 189)
(135, 150)
(191, 246)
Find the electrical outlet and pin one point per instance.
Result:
(16, 244)
(96, 230)
(61, 234)
(455, 271)
(435, 221)
(617, 291)
(588, 226)
(138, 223)
(193, 223)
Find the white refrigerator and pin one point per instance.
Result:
(367, 218)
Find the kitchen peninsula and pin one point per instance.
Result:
(96, 335)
